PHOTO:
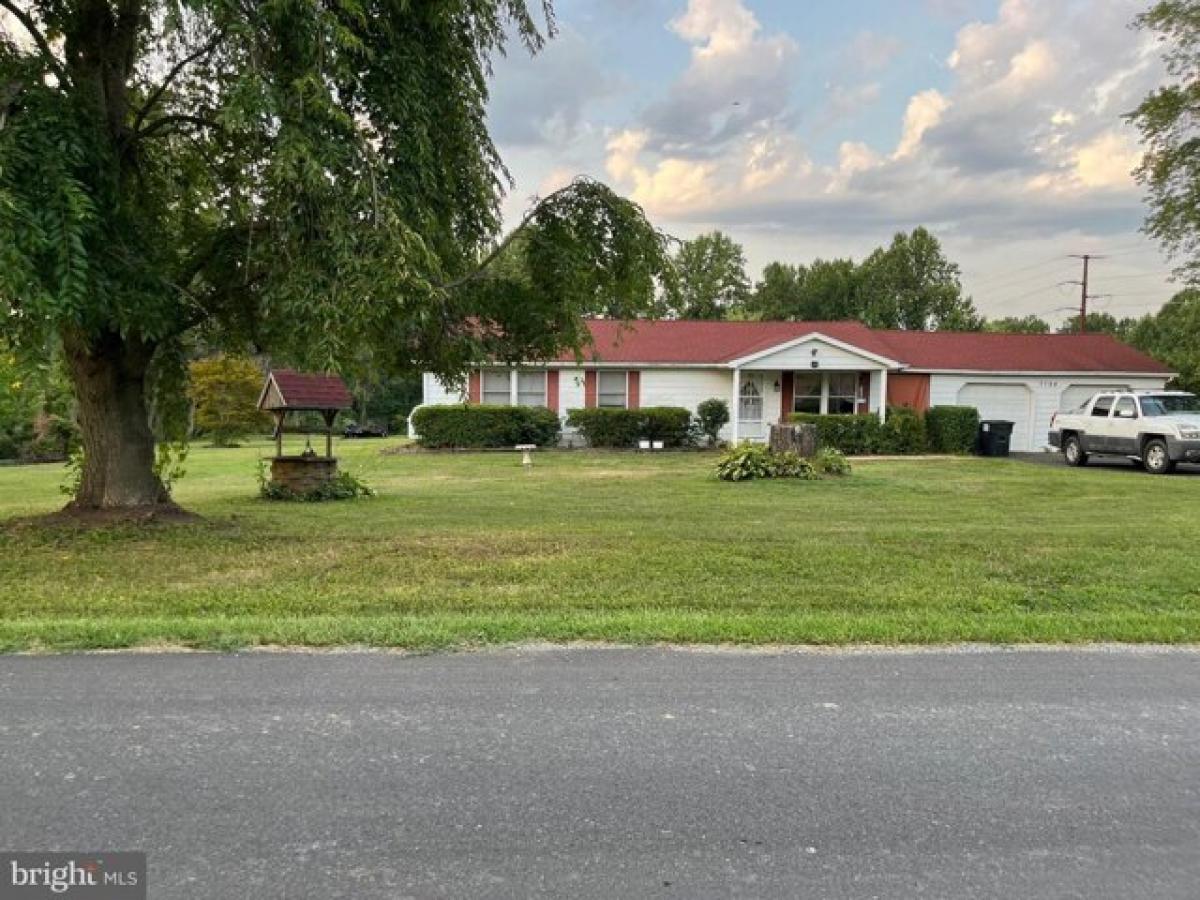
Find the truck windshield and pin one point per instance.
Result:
(1169, 404)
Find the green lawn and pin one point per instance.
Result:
(468, 548)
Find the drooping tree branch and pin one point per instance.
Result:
(481, 270)
(179, 119)
(176, 69)
(38, 38)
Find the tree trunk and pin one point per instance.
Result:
(109, 377)
(802, 439)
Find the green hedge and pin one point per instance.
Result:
(473, 427)
(854, 435)
(904, 431)
(952, 429)
(862, 433)
(625, 427)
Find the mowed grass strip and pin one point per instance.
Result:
(462, 549)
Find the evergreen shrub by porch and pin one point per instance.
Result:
(466, 427)
(625, 427)
(952, 429)
(711, 416)
(904, 432)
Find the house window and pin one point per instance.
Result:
(496, 387)
(750, 399)
(843, 393)
(807, 393)
(612, 389)
(531, 388)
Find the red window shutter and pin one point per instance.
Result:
(552, 389)
(473, 387)
(634, 387)
(589, 389)
(788, 391)
(864, 389)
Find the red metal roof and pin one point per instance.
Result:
(717, 343)
(301, 390)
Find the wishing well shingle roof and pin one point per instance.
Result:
(300, 390)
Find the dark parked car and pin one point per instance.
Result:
(365, 431)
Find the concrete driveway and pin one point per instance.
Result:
(615, 773)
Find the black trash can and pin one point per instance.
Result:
(993, 438)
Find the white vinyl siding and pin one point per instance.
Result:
(612, 389)
(813, 354)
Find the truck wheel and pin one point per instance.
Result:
(1073, 452)
(1155, 458)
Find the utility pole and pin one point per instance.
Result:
(1084, 296)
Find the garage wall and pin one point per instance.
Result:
(1044, 397)
(435, 393)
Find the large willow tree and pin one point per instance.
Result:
(311, 177)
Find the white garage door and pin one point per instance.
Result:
(1078, 394)
(1002, 401)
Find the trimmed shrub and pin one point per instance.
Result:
(952, 429)
(862, 433)
(712, 415)
(625, 427)
(904, 432)
(749, 461)
(854, 435)
(478, 427)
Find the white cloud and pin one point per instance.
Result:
(1021, 142)
(1107, 161)
(738, 81)
(1013, 145)
(924, 111)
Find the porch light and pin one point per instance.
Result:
(778, 386)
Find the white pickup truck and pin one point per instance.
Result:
(1155, 428)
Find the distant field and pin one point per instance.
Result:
(467, 549)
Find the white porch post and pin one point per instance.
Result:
(734, 408)
(883, 373)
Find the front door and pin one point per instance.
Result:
(750, 405)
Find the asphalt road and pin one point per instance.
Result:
(614, 773)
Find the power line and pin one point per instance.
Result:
(1006, 273)
(1018, 283)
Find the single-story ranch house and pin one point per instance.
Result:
(766, 370)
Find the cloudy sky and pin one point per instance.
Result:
(810, 128)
